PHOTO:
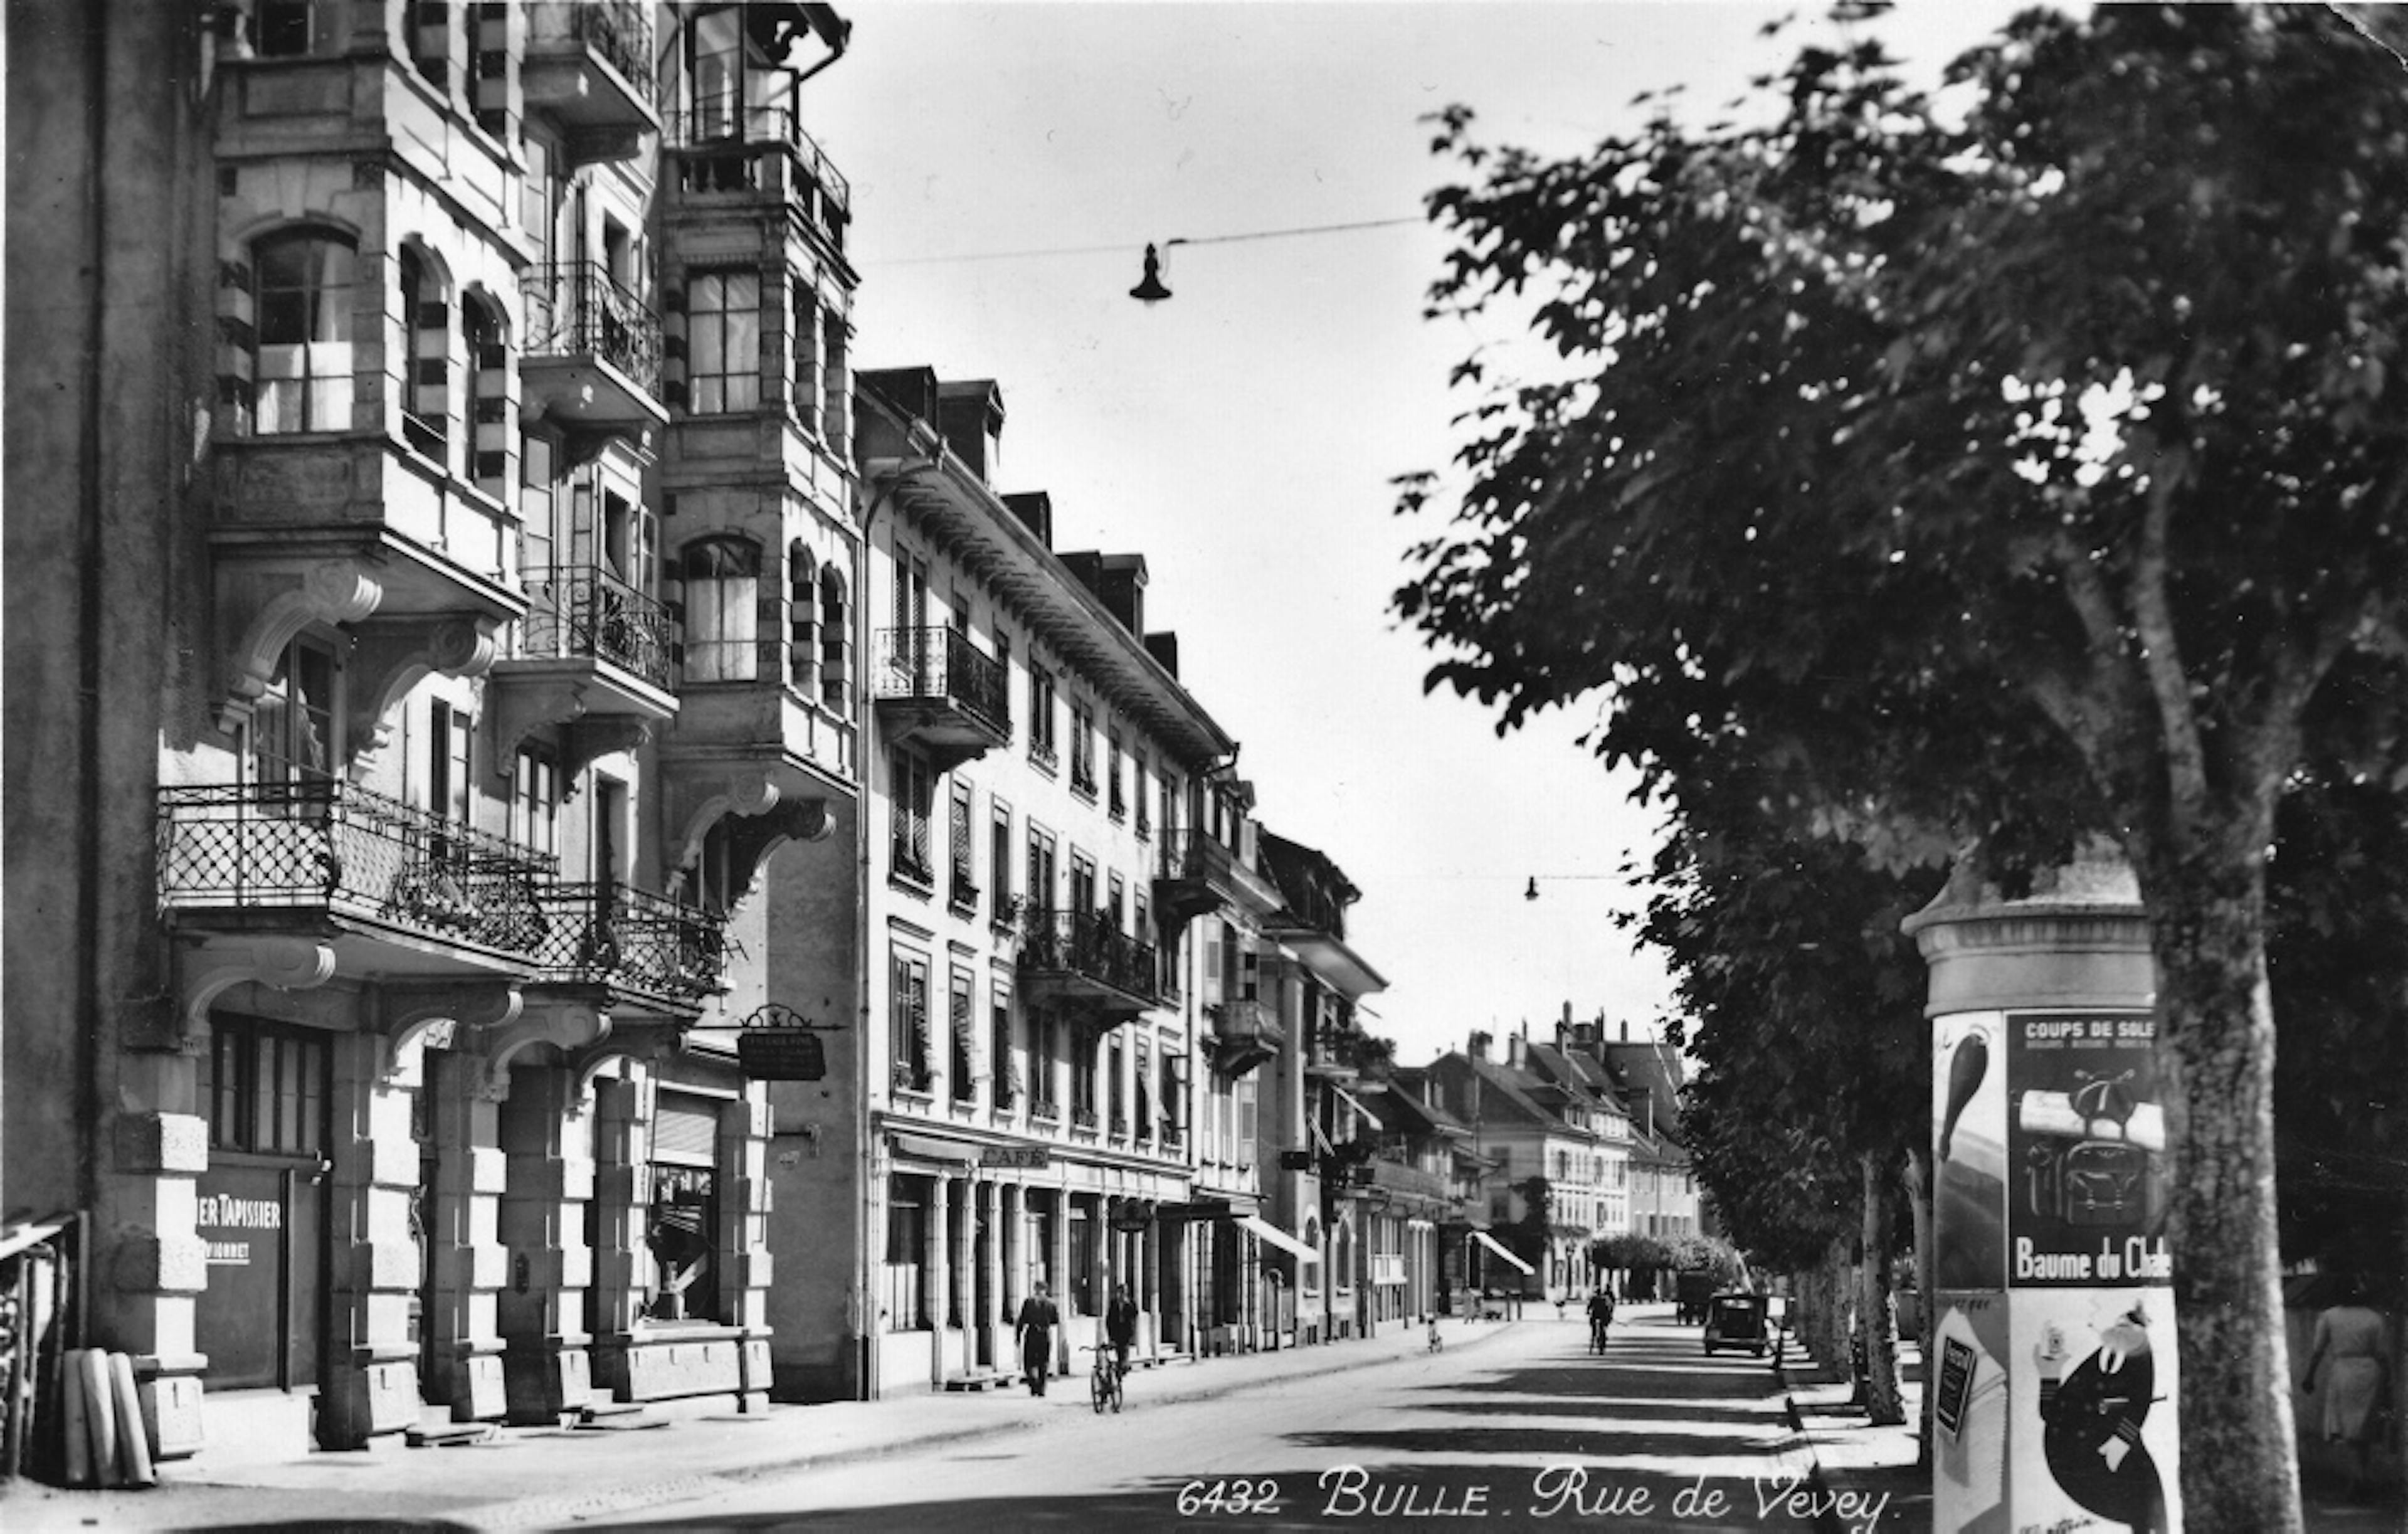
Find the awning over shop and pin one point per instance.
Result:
(1278, 1237)
(1491, 1243)
(925, 1148)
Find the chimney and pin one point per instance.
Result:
(1164, 647)
(1478, 1047)
(1036, 509)
(1515, 1044)
(1625, 1031)
(969, 415)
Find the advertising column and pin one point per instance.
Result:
(2053, 1356)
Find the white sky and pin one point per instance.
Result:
(1242, 436)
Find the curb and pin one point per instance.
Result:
(560, 1508)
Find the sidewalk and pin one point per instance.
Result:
(536, 1477)
(1850, 1454)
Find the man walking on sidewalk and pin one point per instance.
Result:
(1034, 1331)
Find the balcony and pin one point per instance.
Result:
(1199, 873)
(432, 896)
(584, 612)
(1079, 960)
(1244, 1034)
(593, 352)
(937, 692)
(588, 66)
(723, 153)
(1404, 1181)
(644, 946)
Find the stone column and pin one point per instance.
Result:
(158, 1155)
(937, 1276)
(1062, 1278)
(2054, 1364)
(547, 1138)
(372, 1365)
(744, 1206)
(966, 1271)
(990, 1210)
(621, 1209)
(1015, 1249)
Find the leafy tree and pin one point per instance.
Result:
(2010, 470)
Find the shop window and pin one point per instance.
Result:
(681, 1235)
(903, 1274)
(303, 304)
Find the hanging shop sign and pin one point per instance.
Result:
(775, 1043)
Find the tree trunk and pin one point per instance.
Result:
(2240, 1452)
(1830, 1338)
(1884, 1405)
(1917, 1172)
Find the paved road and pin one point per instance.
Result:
(1525, 1430)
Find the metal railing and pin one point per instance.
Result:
(331, 846)
(574, 309)
(621, 31)
(939, 662)
(612, 934)
(1242, 1023)
(720, 145)
(583, 611)
(1086, 943)
(1191, 853)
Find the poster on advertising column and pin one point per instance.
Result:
(2093, 1438)
(2085, 1150)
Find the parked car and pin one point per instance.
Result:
(1735, 1319)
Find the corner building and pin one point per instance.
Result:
(446, 495)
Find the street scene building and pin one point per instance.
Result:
(547, 682)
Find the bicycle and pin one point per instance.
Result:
(1104, 1383)
(1597, 1331)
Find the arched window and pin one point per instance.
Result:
(723, 579)
(486, 402)
(802, 617)
(302, 304)
(425, 365)
(836, 642)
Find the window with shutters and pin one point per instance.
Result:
(1082, 750)
(1041, 717)
(1115, 797)
(1142, 787)
(961, 1062)
(1082, 1078)
(906, 1022)
(961, 887)
(1174, 1098)
(1243, 1095)
(485, 405)
(721, 601)
(1003, 1061)
(911, 789)
(1041, 867)
(681, 1230)
(1001, 906)
(1115, 1102)
(1044, 1050)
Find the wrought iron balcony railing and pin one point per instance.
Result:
(721, 148)
(330, 845)
(610, 934)
(621, 31)
(1189, 853)
(940, 663)
(582, 612)
(1085, 943)
(574, 309)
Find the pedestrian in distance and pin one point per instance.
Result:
(1034, 1331)
(1120, 1326)
(1600, 1316)
(2348, 1352)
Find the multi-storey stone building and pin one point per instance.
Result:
(412, 890)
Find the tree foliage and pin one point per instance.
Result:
(2009, 465)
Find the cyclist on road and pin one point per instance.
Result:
(1600, 1316)
(1119, 1325)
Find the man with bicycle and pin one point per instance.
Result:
(1600, 1316)
(1119, 1325)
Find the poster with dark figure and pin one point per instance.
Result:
(2100, 1387)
